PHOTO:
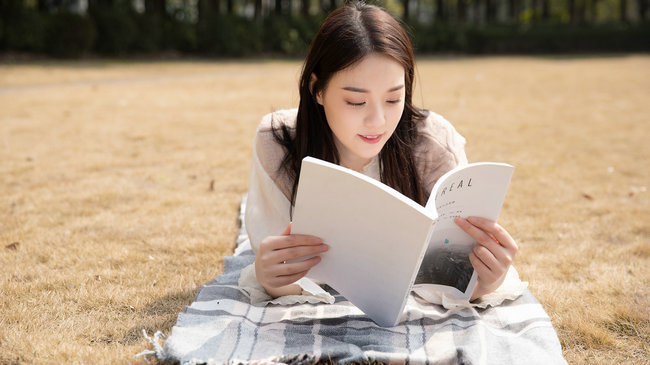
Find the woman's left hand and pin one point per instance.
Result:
(492, 256)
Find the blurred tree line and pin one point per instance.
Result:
(227, 28)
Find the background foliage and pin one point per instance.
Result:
(235, 28)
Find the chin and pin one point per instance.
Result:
(370, 156)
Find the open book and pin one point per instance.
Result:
(382, 242)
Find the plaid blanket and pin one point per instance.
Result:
(222, 327)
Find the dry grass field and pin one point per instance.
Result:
(120, 185)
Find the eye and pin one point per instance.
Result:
(356, 104)
(397, 101)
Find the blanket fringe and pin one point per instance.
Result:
(158, 350)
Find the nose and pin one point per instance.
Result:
(375, 117)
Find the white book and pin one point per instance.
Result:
(382, 243)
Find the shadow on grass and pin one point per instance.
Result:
(160, 315)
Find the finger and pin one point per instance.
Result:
(501, 235)
(501, 252)
(488, 259)
(475, 232)
(293, 253)
(286, 280)
(484, 273)
(488, 280)
(292, 240)
(289, 269)
(490, 249)
(287, 231)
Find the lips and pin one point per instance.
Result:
(371, 138)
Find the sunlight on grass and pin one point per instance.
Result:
(120, 185)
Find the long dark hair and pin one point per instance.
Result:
(349, 34)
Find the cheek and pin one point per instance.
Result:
(393, 116)
(336, 119)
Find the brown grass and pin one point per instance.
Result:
(120, 184)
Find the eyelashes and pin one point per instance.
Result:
(364, 103)
(356, 104)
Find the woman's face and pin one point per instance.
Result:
(363, 104)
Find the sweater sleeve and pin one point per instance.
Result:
(267, 213)
(267, 208)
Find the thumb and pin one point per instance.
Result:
(287, 231)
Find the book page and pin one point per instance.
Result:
(473, 190)
(376, 235)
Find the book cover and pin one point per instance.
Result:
(378, 237)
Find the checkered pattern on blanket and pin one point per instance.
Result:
(221, 326)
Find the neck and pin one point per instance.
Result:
(355, 164)
(349, 160)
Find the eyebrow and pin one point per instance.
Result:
(359, 90)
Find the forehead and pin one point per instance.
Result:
(374, 70)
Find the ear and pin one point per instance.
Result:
(318, 96)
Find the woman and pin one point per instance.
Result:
(355, 110)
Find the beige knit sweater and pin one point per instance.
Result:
(439, 148)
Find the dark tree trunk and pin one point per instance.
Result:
(624, 11)
(43, 6)
(9, 9)
(92, 4)
(513, 9)
(154, 7)
(406, 15)
(643, 9)
(440, 11)
(546, 9)
(572, 11)
(217, 7)
(461, 10)
(582, 11)
(591, 10)
(535, 10)
(208, 8)
(230, 7)
(278, 7)
(258, 9)
(490, 10)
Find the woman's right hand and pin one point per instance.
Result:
(270, 268)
